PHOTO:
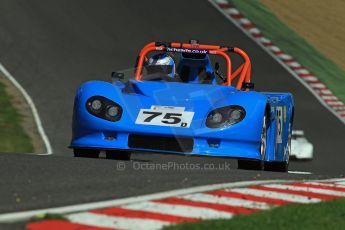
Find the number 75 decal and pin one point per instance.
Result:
(175, 118)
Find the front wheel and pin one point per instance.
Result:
(250, 164)
(118, 155)
(87, 153)
(277, 166)
(257, 164)
(281, 166)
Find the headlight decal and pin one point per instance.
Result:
(225, 116)
(104, 108)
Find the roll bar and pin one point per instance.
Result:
(243, 71)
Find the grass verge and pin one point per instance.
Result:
(12, 136)
(321, 216)
(289, 41)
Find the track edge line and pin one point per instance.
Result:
(33, 108)
(274, 56)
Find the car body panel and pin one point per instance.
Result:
(237, 140)
(193, 93)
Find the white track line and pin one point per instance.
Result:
(179, 210)
(300, 172)
(92, 219)
(276, 195)
(200, 197)
(334, 180)
(306, 189)
(99, 220)
(32, 107)
(275, 57)
(330, 185)
(340, 183)
(25, 215)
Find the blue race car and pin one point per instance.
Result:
(190, 110)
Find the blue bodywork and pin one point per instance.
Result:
(240, 140)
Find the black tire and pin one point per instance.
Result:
(282, 166)
(87, 153)
(250, 164)
(118, 155)
(257, 164)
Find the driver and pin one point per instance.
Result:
(161, 63)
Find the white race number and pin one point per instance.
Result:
(165, 116)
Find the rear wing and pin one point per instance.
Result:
(243, 71)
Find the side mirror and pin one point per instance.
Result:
(248, 86)
(117, 75)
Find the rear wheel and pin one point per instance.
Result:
(277, 166)
(281, 166)
(88, 153)
(250, 164)
(257, 164)
(118, 155)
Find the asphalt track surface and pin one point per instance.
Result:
(53, 46)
